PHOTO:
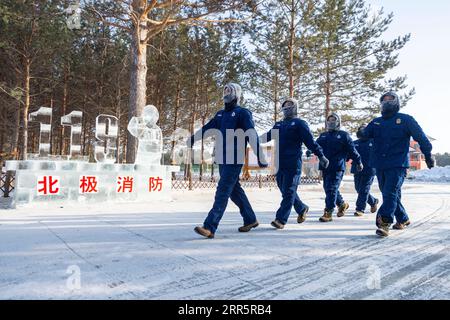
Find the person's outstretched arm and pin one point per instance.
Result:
(247, 124)
(312, 145)
(211, 124)
(266, 137)
(367, 132)
(353, 154)
(309, 141)
(425, 145)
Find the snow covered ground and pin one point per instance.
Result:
(436, 174)
(149, 251)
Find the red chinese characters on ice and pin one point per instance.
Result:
(88, 184)
(154, 184)
(125, 184)
(47, 185)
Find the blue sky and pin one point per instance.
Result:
(426, 61)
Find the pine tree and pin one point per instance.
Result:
(30, 32)
(352, 62)
(281, 35)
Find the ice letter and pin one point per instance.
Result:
(73, 120)
(106, 130)
(44, 116)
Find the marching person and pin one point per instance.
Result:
(337, 145)
(293, 132)
(364, 179)
(231, 159)
(391, 134)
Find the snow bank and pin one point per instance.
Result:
(437, 174)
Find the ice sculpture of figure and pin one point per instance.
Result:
(149, 135)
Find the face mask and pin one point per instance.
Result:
(228, 98)
(229, 94)
(289, 110)
(332, 124)
(389, 107)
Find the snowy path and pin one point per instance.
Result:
(149, 251)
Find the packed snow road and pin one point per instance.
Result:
(149, 251)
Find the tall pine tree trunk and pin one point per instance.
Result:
(2, 139)
(202, 149)
(15, 136)
(26, 86)
(62, 144)
(192, 121)
(275, 94)
(291, 50)
(327, 90)
(138, 86)
(51, 131)
(175, 124)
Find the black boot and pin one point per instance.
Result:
(359, 213)
(378, 221)
(277, 224)
(401, 226)
(204, 232)
(248, 227)
(374, 208)
(302, 216)
(342, 208)
(327, 216)
(383, 229)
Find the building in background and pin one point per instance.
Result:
(416, 158)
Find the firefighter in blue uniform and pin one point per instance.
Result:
(292, 133)
(337, 145)
(391, 134)
(230, 157)
(364, 179)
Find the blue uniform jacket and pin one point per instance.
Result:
(232, 120)
(292, 134)
(337, 146)
(391, 139)
(365, 150)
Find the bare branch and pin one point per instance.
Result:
(103, 19)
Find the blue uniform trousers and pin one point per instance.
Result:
(390, 182)
(288, 181)
(363, 182)
(331, 183)
(229, 188)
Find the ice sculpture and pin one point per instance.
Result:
(73, 120)
(107, 129)
(149, 136)
(44, 116)
(55, 179)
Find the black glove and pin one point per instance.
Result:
(308, 153)
(324, 162)
(359, 167)
(431, 162)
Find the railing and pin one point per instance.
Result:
(7, 180)
(257, 181)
